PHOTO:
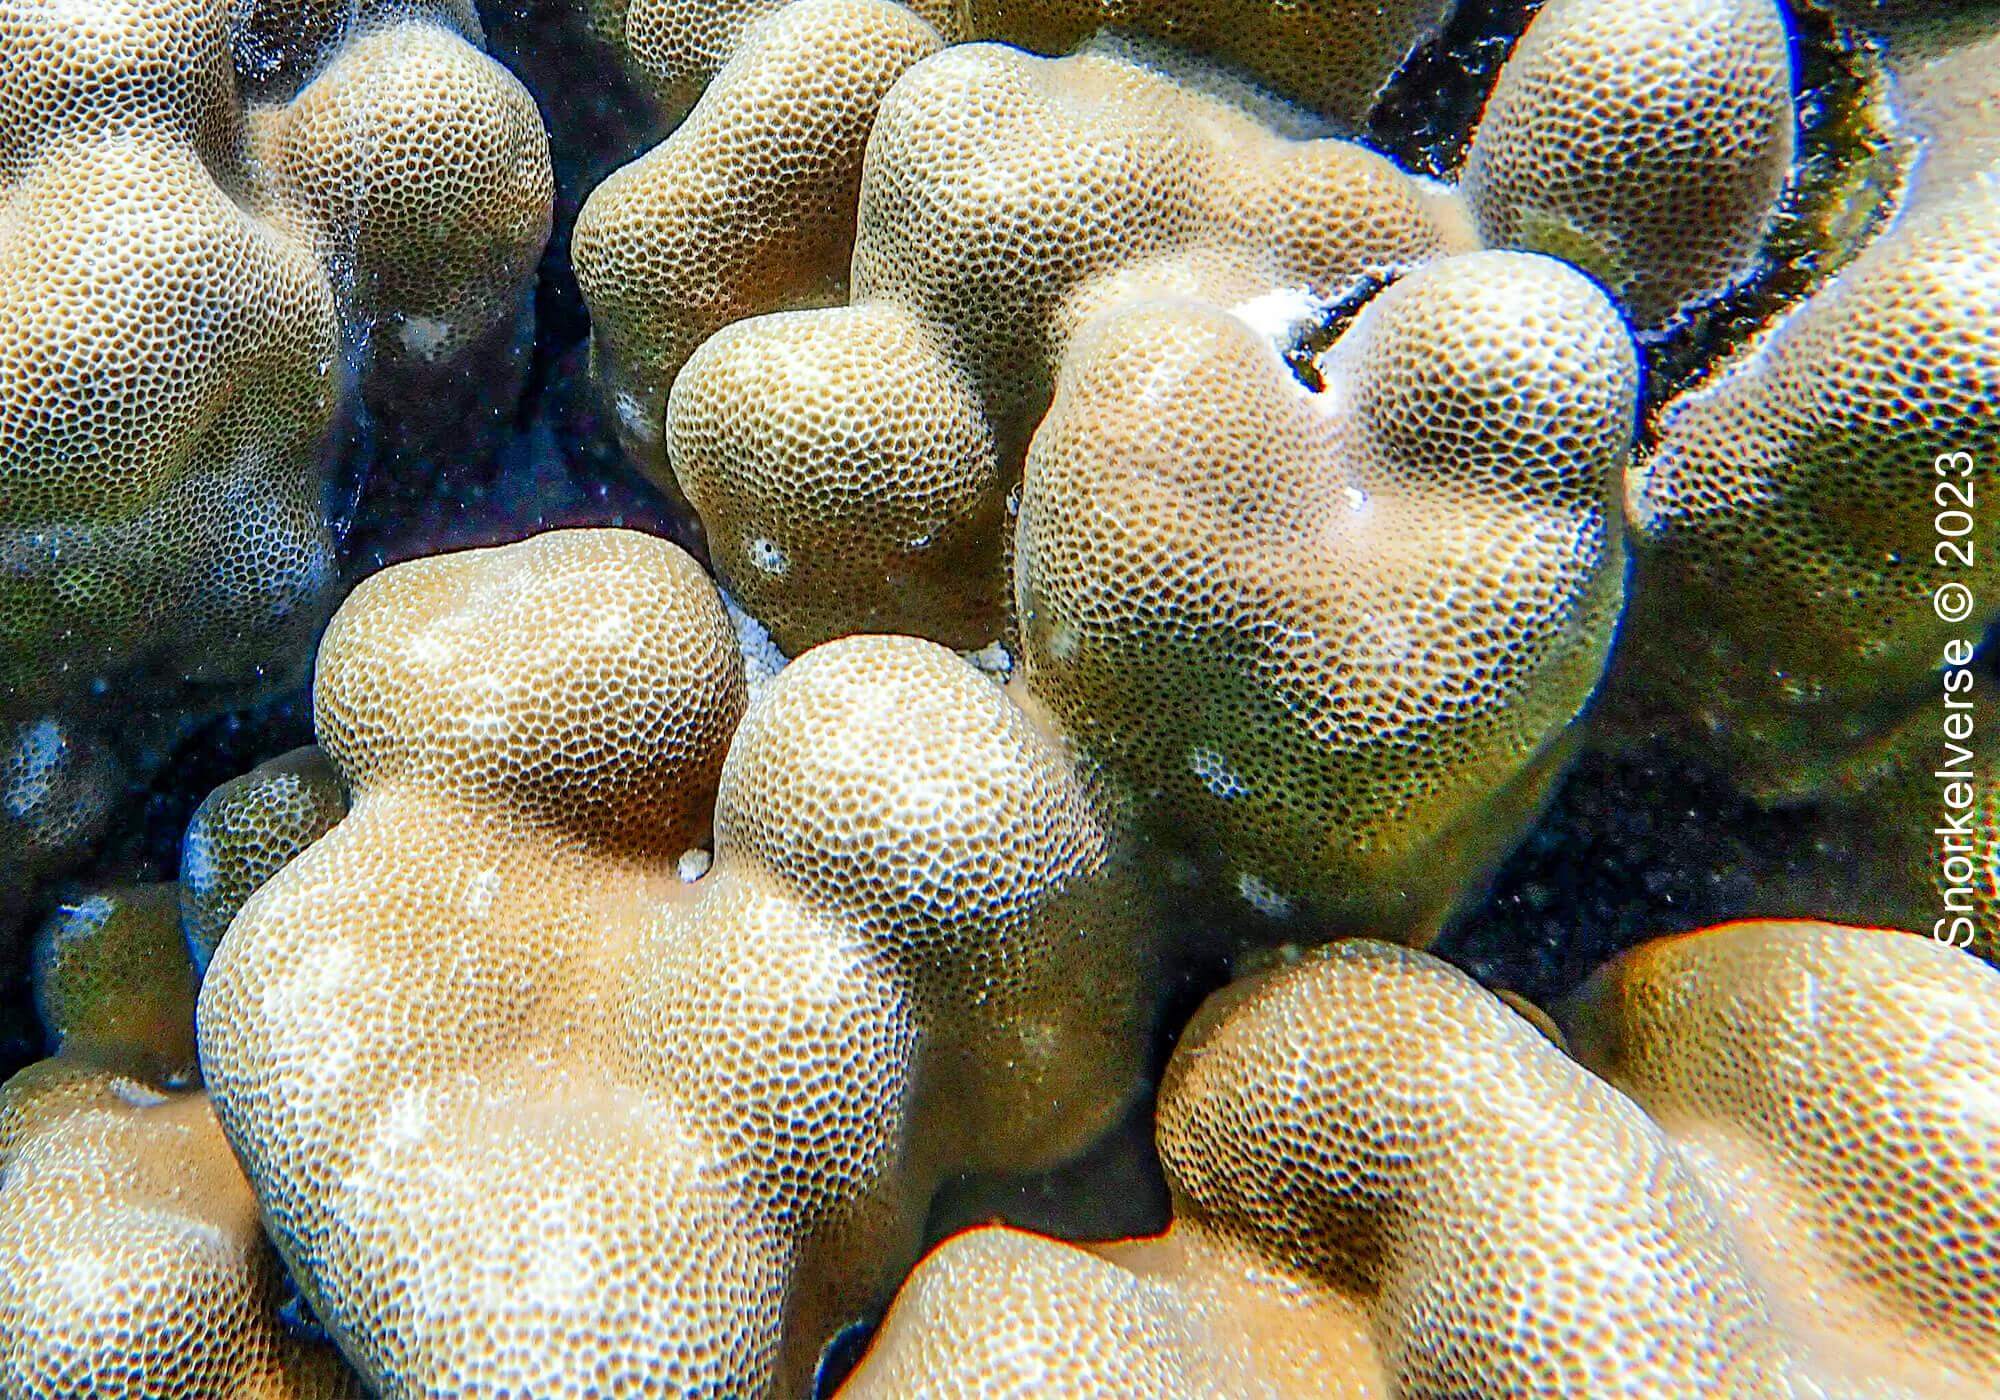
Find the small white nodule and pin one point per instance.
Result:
(424, 336)
(766, 557)
(1260, 894)
(1215, 773)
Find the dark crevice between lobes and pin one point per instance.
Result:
(1312, 338)
(1847, 173)
(1426, 113)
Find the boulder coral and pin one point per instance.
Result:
(616, 1040)
(852, 464)
(748, 206)
(1647, 143)
(1388, 1183)
(112, 980)
(1334, 638)
(1267, 605)
(193, 242)
(132, 1263)
(874, 465)
(1816, 520)
(244, 832)
(1677, 106)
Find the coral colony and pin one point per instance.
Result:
(1143, 557)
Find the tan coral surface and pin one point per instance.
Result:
(1807, 503)
(1647, 143)
(1335, 637)
(132, 1263)
(180, 274)
(538, 1099)
(852, 464)
(1387, 1183)
(747, 207)
(770, 160)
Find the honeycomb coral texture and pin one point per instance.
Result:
(909, 957)
(1791, 499)
(185, 257)
(1357, 737)
(132, 1263)
(1143, 543)
(1387, 1183)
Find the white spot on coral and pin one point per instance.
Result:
(1215, 773)
(1277, 315)
(633, 415)
(1063, 642)
(693, 865)
(480, 896)
(407, 1120)
(431, 648)
(136, 1094)
(489, 705)
(766, 557)
(1260, 894)
(424, 336)
(1357, 500)
(993, 658)
(762, 660)
(612, 624)
(1331, 400)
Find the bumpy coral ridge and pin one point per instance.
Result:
(1336, 638)
(132, 1263)
(533, 1105)
(179, 275)
(852, 464)
(1646, 143)
(1806, 503)
(1387, 1183)
(1682, 106)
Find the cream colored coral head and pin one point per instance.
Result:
(132, 1264)
(1337, 634)
(1646, 143)
(582, 662)
(1387, 1183)
(541, 1090)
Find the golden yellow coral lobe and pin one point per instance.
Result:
(618, 1038)
(1386, 1183)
